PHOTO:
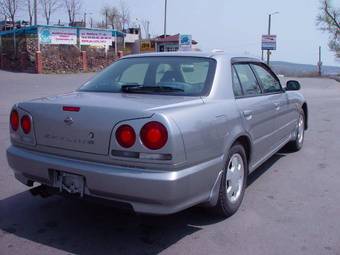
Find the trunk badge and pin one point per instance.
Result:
(68, 121)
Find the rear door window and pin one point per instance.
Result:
(269, 83)
(248, 80)
(236, 84)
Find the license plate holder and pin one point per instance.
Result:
(71, 183)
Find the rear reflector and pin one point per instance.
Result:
(26, 124)
(14, 120)
(71, 109)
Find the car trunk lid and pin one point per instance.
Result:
(88, 120)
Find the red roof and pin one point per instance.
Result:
(169, 38)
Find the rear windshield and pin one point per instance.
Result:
(186, 76)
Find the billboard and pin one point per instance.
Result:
(269, 42)
(95, 37)
(185, 42)
(56, 35)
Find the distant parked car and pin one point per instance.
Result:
(6, 25)
(159, 132)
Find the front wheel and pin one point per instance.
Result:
(297, 144)
(233, 183)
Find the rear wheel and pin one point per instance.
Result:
(233, 183)
(297, 144)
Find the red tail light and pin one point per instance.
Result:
(154, 135)
(26, 124)
(126, 136)
(14, 120)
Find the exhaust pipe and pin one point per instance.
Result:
(43, 191)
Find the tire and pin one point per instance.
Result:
(297, 144)
(233, 184)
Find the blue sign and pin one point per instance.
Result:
(268, 42)
(185, 42)
(45, 36)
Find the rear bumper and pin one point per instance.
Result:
(152, 192)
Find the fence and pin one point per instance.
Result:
(58, 49)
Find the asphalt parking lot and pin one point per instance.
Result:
(292, 204)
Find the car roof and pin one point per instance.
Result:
(233, 57)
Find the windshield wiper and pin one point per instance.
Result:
(149, 89)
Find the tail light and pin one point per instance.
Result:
(14, 120)
(126, 136)
(26, 124)
(154, 135)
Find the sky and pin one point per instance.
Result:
(234, 25)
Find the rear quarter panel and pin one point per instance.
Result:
(209, 129)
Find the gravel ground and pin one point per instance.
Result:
(292, 204)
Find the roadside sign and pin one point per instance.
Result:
(97, 38)
(269, 42)
(185, 42)
(56, 35)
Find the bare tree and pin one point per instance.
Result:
(111, 16)
(73, 8)
(329, 20)
(49, 7)
(100, 24)
(9, 8)
(124, 12)
(29, 5)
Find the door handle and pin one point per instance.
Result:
(277, 106)
(248, 114)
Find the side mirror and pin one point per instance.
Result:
(293, 86)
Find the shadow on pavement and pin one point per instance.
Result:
(265, 167)
(80, 227)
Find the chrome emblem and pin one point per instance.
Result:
(91, 135)
(68, 121)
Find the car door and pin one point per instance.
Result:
(257, 109)
(284, 123)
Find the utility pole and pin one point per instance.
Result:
(35, 7)
(165, 14)
(269, 28)
(85, 19)
(147, 29)
(106, 19)
(320, 62)
(269, 31)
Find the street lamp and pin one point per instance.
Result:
(269, 30)
(165, 14)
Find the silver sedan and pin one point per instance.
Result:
(159, 133)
